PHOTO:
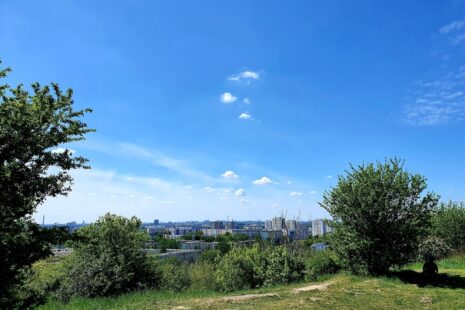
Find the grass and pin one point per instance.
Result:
(401, 290)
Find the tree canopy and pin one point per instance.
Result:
(32, 167)
(380, 214)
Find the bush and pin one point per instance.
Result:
(281, 266)
(256, 267)
(379, 216)
(44, 279)
(448, 223)
(235, 271)
(174, 275)
(108, 259)
(320, 263)
(202, 276)
(210, 256)
(433, 248)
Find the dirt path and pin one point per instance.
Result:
(247, 297)
(315, 287)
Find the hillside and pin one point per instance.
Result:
(342, 291)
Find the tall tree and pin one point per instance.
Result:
(379, 215)
(32, 126)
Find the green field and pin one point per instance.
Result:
(402, 290)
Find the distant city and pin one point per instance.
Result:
(193, 237)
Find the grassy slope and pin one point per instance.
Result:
(347, 292)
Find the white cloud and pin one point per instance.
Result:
(453, 26)
(247, 100)
(245, 116)
(228, 98)
(246, 75)
(208, 189)
(240, 193)
(244, 201)
(312, 192)
(263, 181)
(329, 177)
(295, 194)
(229, 175)
(60, 150)
(438, 101)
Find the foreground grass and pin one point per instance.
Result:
(400, 291)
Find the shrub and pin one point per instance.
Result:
(281, 266)
(41, 281)
(379, 216)
(448, 223)
(210, 256)
(202, 276)
(174, 275)
(320, 263)
(433, 248)
(235, 271)
(108, 259)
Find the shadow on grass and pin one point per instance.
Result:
(441, 280)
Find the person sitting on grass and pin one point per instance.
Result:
(430, 269)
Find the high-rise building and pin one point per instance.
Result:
(278, 223)
(319, 227)
(230, 225)
(156, 222)
(217, 225)
(291, 225)
(268, 225)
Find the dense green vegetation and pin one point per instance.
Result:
(448, 223)
(31, 126)
(380, 214)
(345, 291)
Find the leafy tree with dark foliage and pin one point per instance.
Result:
(379, 216)
(31, 126)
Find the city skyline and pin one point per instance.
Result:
(244, 110)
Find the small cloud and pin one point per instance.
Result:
(190, 197)
(244, 201)
(275, 205)
(167, 202)
(229, 175)
(453, 26)
(245, 116)
(228, 98)
(329, 177)
(247, 100)
(289, 182)
(148, 198)
(295, 194)
(263, 181)
(60, 150)
(313, 192)
(240, 193)
(208, 189)
(246, 75)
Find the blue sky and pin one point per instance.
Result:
(244, 109)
